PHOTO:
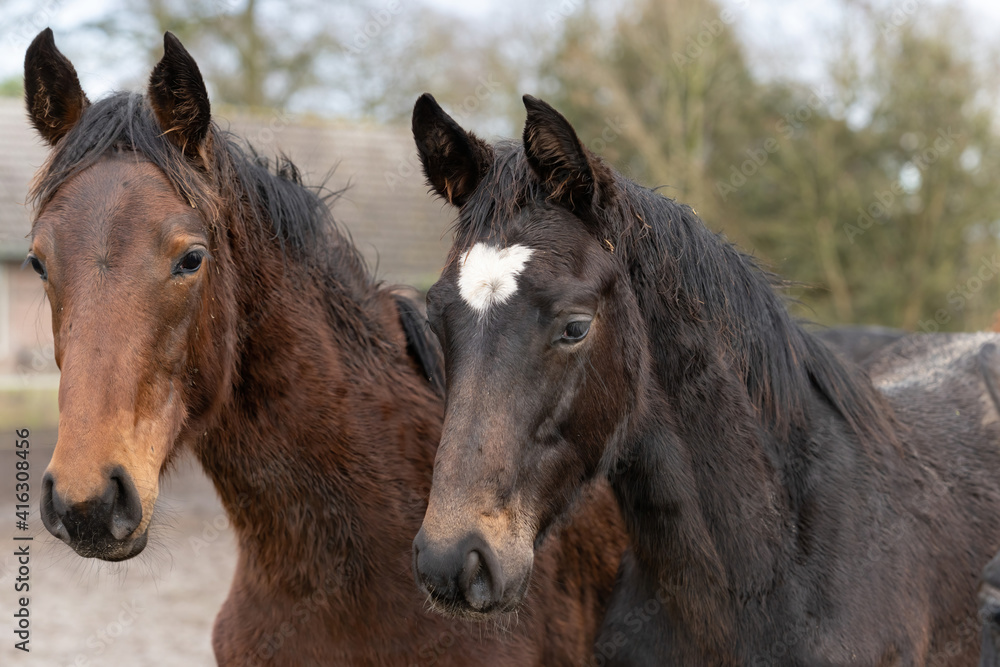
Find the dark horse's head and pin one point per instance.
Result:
(125, 241)
(531, 310)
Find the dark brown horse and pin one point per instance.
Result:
(989, 614)
(859, 343)
(203, 300)
(783, 508)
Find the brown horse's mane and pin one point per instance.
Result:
(275, 207)
(676, 263)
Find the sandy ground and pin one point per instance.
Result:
(156, 610)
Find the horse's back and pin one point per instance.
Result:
(927, 377)
(859, 343)
(945, 392)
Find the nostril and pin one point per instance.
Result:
(53, 509)
(477, 584)
(126, 508)
(415, 564)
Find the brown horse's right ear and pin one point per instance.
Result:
(179, 98)
(454, 160)
(52, 90)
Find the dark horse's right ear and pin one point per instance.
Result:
(179, 99)
(52, 90)
(573, 176)
(454, 160)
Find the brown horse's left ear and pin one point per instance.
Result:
(572, 175)
(52, 90)
(179, 99)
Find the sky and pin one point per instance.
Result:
(786, 38)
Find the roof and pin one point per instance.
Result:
(402, 230)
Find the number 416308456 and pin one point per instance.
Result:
(21, 478)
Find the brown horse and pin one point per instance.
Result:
(783, 506)
(200, 300)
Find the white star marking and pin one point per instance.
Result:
(488, 275)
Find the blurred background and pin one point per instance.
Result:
(851, 145)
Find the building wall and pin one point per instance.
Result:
(26, 343)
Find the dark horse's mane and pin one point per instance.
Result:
(675, 262)
(270, 194)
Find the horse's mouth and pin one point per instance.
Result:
(493, 612)
(468, 613)
(112, 551)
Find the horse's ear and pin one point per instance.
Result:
(179, 99)
(52, 90)
(454, 160)
(572, 175)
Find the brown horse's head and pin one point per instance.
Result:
(128, 265)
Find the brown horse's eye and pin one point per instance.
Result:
(190, 262)
(576, 330)
(37, 265)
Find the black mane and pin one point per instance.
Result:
(676, 263)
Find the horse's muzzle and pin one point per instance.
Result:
(101, 526)
(462, 579)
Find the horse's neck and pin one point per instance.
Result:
(323, 470)
(703, 503)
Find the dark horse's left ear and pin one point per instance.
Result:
(573, 176)
(179, 99)
(454, 160)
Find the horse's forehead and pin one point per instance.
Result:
(487, 273)
(115, 199)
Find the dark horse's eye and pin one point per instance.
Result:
(37, 265)
(190, 262)
(576, 330)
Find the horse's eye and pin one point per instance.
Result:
(190, 262)
(576, 330)
(37, 265)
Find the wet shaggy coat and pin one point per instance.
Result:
(311, 400)
(783, 506)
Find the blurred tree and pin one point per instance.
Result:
(257, 55)
(881, 193)
(476, 74)
(871, 189)
(366, 57)
(662, 94)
